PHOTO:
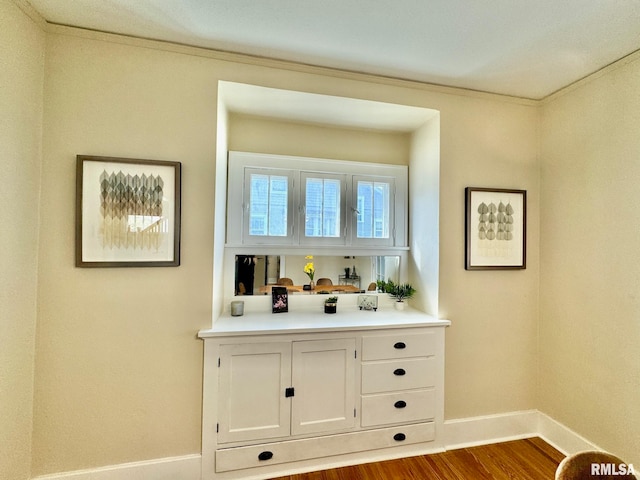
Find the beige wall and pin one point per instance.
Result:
(590, 308)
(256, 134)
(118, 367)
(22, 45)
(492, 342)
(118, 376)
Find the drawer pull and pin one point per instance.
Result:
(267, 455)
(400, 404)
(399, 372)
(400, 345)
(399, 437)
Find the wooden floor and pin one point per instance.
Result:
(529, 459)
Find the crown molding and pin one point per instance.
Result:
(627, 59)
(268, 62)
(32, 13)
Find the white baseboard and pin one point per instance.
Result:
(472, 431)
(561, 437)
(459, 433)
(187, 467)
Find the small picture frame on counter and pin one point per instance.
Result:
(368, 302)
(279, 300)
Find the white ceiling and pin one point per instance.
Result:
(525, 48)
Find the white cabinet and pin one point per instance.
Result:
(398, 407)
(323, 374)
(276, 389)
(253, 378)
(399, 374)
(278, 403)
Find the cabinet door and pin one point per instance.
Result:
(323, 376)
(252, 382)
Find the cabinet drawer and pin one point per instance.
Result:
(398, 407)
(304, 449)
(398, 345)
(404, 374)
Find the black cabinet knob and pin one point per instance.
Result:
(400, 404)
(267, 455)
(400, 345)
(399, 372)
(399, 437)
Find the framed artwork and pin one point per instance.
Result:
(495, 229)
(127, 212)
(279, 299)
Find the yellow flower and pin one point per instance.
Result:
(308, 268)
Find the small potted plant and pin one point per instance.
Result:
(331, 305)
(399, 291)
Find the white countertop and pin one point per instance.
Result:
(315, 320)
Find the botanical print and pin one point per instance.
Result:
(131, 211)
(495, 229)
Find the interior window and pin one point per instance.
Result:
(266, 208)
(323, 206)
(374, 200)
(272, 201)
(373, 209)
(268, 205)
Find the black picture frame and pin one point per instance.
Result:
(127, 212)
(495, 229)
(279, 300)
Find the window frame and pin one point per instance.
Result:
(300, 168)
(341, 239)
(246, 217)
(366, 241)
